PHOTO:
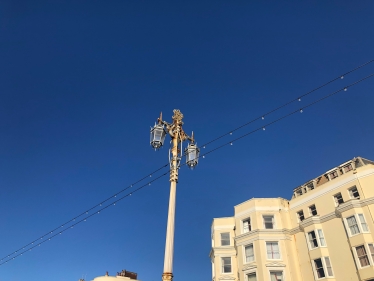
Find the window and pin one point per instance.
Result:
(319, 268)
(321, 237)
(272, 249)
(371, 248)
(357, 224)
(249, 255)
(276, 275)
(247, 225)
(363, 223)
(353, 192)
(226, 265)
(362, 256)
(269, 222)
(338, 199)
(251, 277)
(310, 185)
(300, 215)
(333, 174)
(225, 239)
(316, 239)
(323, 266)
(313, 210)
(353, 226)
(347, 168)
(328, 266)
(312, 240)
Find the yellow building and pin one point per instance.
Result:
(325, 231)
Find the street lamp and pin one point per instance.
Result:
(178, 136)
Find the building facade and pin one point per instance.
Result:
(325, 231)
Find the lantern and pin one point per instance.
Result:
(158, 134)
(192, 155)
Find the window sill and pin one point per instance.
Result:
(323, 247)
(354, 235)
(364, 267)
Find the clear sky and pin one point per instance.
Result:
(81, 82)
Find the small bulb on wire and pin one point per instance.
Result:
(230, 143)
(204, 146)
(230, 133)
(301, 111)
(203, 156)
(299, 99)
(263, 117)
(150, 176)
(341, 77)
(263, 128)
(345, 89)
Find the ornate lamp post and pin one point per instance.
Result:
(178, 136)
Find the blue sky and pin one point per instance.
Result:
(81, 82)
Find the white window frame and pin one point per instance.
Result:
(362, 223)
(279, 249)
(310, 211)
(334, 198)
(279, 270)
(246, 219)
(263, 219)
(298, 216)
(222, 265)
(324, 268)
(224, 239)
(359, 224)
(308, 240)
(250, 272)
(245, 255)
(368, 254)
(350, 193)
(318, 239)
(332, 269)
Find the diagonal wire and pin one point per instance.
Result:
(287, 103)
(83, 219)
(149, 175)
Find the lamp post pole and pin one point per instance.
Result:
(177, 135)
(169, 244)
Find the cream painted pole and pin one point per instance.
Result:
(169, 245)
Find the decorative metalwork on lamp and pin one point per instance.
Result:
(178, 136)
